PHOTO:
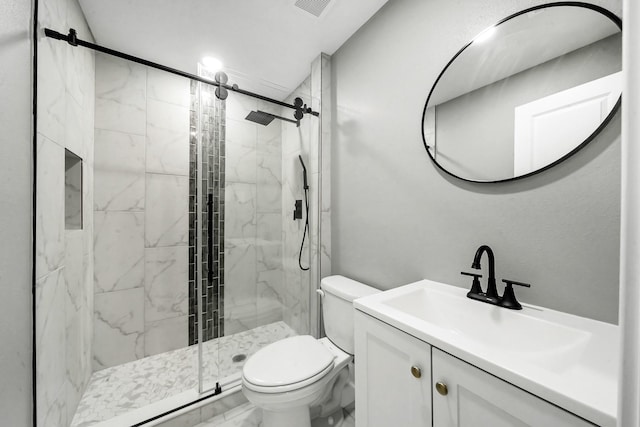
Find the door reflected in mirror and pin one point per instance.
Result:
(526, 93)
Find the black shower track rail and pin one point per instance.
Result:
(73, 40)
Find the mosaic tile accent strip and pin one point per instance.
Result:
(120, 389)
(212, 162)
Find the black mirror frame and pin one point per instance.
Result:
(614, 18)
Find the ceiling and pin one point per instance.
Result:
(266, 46)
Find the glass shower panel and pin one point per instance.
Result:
(207, 221)
(187, 258)
(299, 146)
(142, 259)
(263, 294)
(132, 263)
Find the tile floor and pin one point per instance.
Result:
(248, 415)
(117, 390)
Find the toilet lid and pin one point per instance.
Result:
(287, 361)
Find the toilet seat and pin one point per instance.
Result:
(287, 365)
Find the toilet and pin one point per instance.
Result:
(297, 376)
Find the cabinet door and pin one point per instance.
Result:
(475, 398)
(388, 392)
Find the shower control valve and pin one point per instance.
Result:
(297, 211)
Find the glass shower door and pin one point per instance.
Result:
(130, 336)
(259, 264)
(207, 226)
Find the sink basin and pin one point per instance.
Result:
(568, 360)
(495, 327)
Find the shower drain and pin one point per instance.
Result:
(238, 358)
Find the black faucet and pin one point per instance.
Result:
(508, 299)
(492, 290)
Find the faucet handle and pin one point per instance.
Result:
(466, 273)
(509, 297)
(476, 289)
(513, 282)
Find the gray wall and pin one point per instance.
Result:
(15, 213)
(397, 219)
(470, 145)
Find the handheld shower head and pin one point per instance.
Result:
(304, 173)
(306, 202)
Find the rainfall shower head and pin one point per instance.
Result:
(260, 117)
(264, 119)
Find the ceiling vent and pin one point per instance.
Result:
(314, 7)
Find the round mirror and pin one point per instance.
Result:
(526, 93)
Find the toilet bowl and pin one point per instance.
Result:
(289, 377)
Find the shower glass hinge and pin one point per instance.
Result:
(217, 390)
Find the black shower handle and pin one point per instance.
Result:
(210, 238)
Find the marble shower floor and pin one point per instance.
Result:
(123, 388)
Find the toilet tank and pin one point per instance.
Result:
(337, 308)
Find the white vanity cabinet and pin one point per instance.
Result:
(393, 376)
(470, 397)
(403, 381)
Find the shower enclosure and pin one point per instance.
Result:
(167, 252)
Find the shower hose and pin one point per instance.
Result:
(306, 228)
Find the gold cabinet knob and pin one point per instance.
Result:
(442, 388)
(416, 372)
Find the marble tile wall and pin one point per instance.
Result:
(315, 152)
(166, 213)
(253, 217)
(141, 212)
(118, 327)
(270, 273)
(64, 255)
(323, 102)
